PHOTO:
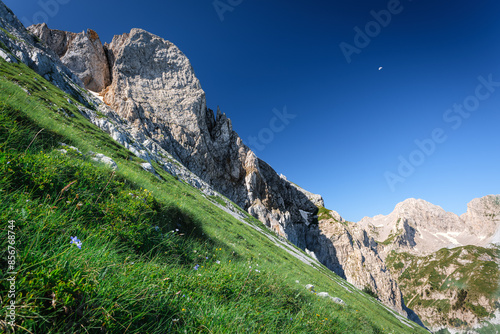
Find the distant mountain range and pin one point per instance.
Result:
(421, 228)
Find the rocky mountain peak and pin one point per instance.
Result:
(483, 217)
(153, 87)
(416, 204)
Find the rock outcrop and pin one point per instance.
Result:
(483, 218)
(82, 53)
(17, 45)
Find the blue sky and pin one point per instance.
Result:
(352, 138)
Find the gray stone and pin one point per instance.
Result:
(338, 300)
(101, 158)
(82, 53)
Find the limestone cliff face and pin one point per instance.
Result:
(82, 53)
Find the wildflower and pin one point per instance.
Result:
(250, 267)
(206, 258)
(196, 267)
(218, 262)
(257, 270)
(175, 320)
(157, 227)
(176, 230)
(8, 162)
(78, 243)
(183, 310)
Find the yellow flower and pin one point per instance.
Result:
(183, 309)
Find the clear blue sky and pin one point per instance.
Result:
(353, 121)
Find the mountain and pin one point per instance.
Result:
(160, 132)
(142, 90)
(140, 222)
(421, 228)
(153, 88)
(154, 91)
(446, 265)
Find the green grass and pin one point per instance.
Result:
(156, 256)
(324, 214)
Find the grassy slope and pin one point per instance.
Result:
(135, 273)
(470, 272)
